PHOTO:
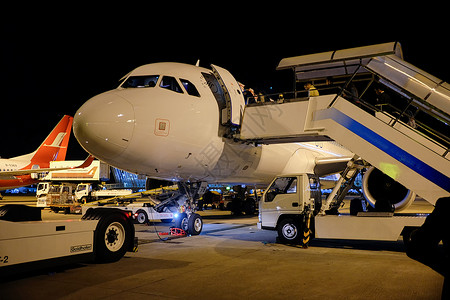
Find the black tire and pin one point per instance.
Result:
(236, 207)
(289, 231)
(406, 235)
(182, 222)
(356, 206)
(112, 237)
(195, 224)
(250, 206)
(141, 217)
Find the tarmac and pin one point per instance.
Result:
(232, 259)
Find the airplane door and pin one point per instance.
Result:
(233, 96)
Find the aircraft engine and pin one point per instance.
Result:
(377, 185)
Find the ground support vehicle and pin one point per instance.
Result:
(165, 204)
(67, 189)
(292, 205)
(68, 196)
(27, 242)
(142, 212)
(86, 193)
(62, 198)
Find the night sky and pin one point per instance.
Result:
(50, 67)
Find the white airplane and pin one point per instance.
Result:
(23, 170)
(171, 121)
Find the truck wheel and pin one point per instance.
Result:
(182, 222)
(289, 231)
(195, 224)
(141, 217)
(111, 238)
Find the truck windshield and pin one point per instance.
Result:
(282, 185)
(81, 188)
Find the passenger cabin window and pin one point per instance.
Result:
(190, 87)
(140, 81)
(170, 83)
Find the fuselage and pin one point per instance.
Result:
(166, 121)
(8, 182)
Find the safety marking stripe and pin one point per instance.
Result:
(386, 146)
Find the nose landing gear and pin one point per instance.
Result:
(192, 224)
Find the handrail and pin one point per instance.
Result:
(391, 114)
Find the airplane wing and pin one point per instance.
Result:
(330, 165)
(10, 174)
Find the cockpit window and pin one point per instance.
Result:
(140, 81)
(190, 87)
(170, 83)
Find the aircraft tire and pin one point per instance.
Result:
(182, 222)
(195, 224)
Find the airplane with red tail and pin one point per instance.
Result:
(24, 170)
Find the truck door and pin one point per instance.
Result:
(315, 192)
(233, 96)
(281, 197)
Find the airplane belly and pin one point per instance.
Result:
(241, 163)
(248, 164)
(236, 163)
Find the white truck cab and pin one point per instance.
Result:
(43, 188)
(86, 193)
(287, 202)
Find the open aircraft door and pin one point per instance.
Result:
(233, 95)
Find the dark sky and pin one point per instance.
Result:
(50, 67)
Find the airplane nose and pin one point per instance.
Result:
(104, 125)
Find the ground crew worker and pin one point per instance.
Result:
(312, 91)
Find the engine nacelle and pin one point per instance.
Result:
(377, 185)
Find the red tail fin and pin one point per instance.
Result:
(65, 142)
(55, 145)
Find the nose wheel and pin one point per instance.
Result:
(193, 224)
